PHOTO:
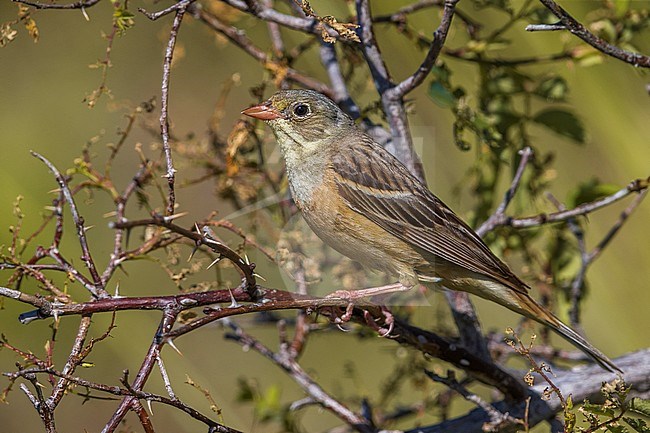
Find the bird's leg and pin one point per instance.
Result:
(351, 295)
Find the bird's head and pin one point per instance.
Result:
(302, 119)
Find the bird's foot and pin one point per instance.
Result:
(384, 330)
(388, 325)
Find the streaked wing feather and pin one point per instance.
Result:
(387, 194)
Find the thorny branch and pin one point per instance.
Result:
(97, 288)
(81, 4)
(180, 9)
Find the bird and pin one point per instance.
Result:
(363, 202)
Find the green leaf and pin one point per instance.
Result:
(586, 57)
(269, 406)
(617, 428)
(621, 7)
(245, 391)
(441, 95)
(640, 406)
(504, 81)
(505, 120)
(569, 415)
(553, 89)
(562, 122)
(599, 409)
(589, 191)
(637, 424)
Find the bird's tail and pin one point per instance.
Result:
(532, 309)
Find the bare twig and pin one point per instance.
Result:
(125, 392)
(242, 41)
(401, 144)
(40, 404)
(157, 220)
(588, 257)
(97, 288)
(73, 361)
(143, 174)
(526, 153)
(176, 7)
(571, 24)
(167, 322)
(339, 88)
(81, 4)
(307, 25)
(274, 33)
(439, 37)
(295, 371)
(180, 9)
(636, 186)
(497, 418)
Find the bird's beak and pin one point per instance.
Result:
(264, 111)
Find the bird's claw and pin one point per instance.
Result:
(389, 320)
(384, 331)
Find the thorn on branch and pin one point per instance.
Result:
(545, 27)
(153, 16)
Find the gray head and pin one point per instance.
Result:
(303, 117)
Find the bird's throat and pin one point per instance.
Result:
(305, 170)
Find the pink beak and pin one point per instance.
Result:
(263, 111)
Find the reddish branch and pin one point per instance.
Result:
(200, 240)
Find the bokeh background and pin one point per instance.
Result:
(42, 87)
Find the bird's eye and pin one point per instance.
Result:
(301, 110)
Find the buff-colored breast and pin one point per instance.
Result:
(357, 237)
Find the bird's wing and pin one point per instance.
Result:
(376, 185)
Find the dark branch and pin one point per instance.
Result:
(581, 382)
(572, 25)
(82, 4)
(439, 37)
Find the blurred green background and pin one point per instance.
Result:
(41, 109)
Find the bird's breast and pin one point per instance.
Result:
(355, 236)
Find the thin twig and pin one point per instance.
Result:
(497, 418)
(247, 269)
(97, 288)
(164, 109)
(572, 25)
(307, 25)
(439, 37)
(81, 4)
(176, 7)
(237, 37)
(636, 186)
(400, 144)
(339, 87)
(526, 153)
(169, 317)
(295, 371)
(125, 392)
